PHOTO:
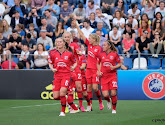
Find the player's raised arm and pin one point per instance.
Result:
(81, 33)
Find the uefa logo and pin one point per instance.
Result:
(154, 86)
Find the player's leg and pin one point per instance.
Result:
(63, 92)
(98, 94)
(107, 98)
(84, 90)
(114, 100)
(113, 88)
(65, 83)
(56, 88)
(56, 95)
(79, 91)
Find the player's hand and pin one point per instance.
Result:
(78, 52)
(72, 68)
(54, 70)
(112, 67)
(99, 73)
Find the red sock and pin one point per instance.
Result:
(107, 98)
(98, 94)
(90, 94)
(80, 96)
(87, 99)
(70, 101)
(58, 98)
(114, 101)
(63, 103)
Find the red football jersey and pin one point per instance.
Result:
(81, 60)
(62, 62)
(108, 60)
(75, 47)
(50, 55)
(93, 53)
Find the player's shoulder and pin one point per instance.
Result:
(53, 51)
(114, 53)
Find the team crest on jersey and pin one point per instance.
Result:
(66, 57)
(56, 58)
(95, 50)
(154, 86)
(111, 57)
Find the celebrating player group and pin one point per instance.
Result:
(74, 71)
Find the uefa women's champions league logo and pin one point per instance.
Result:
(154, 86)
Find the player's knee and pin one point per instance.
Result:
(113, 94)
(57, 98)
(95, 89)
(106, 95)
(89, 88)
(79, 88)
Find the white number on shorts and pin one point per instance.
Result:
(79, 76)
(84, 86)
(114, 84)
(66, 83)
(97, 79)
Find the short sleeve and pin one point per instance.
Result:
(84, 59)
(72, 58)
(46, 53)
(86, 42)
(117, 58)
(36, 53)
(138, 40)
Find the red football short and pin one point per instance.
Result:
(84, 84)
(91, 76)
(62, 81)
(108, 82)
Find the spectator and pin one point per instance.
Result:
(158, 28)
(132, 21)
(144, 26)
(103, 30)
(40, 57)
(45, 40)
(80, 13)
(8, 4)
(158, 2)
(87, 30)
(74, 37)
(20, 30)
(142, 44)
(149, 8)
(25, 56)
(2, 54)
(161, 8)
(103, 17)
(93, 23)
(39, 4)
(52, 20)
(30, 42)
(3, 40)
(96, 2)
(127, 45)
(20, 8)
(158, 16)
(156, 45)
(91, 8)
(102, 39)
(34, 18)
(32, 32)
(72, 3)
(7, 30)
(123, 67)
(107, 6)
(134, 11)
(146, 19)
(54, 8)
(120, 7)
(128, 28)
(19, 66)
(115, 36)
(59, 29)
(65, 13)
(14, 44)
(46, 27)
(5, 64)
(118, 20)
(16, 20)
(73, 27)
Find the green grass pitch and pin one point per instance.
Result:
(45, 112)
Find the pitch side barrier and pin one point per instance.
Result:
(37, 84)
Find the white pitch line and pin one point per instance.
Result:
(27, 106)
(35, 105)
